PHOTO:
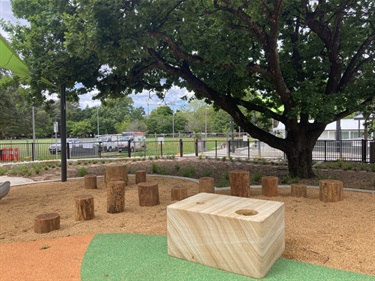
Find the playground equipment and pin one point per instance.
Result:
(4, 188)
(10, 154)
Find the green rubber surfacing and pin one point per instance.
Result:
(120, 257)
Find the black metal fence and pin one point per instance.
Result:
(324, 150)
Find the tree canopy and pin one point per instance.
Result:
(302, 63)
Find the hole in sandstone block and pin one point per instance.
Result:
(246, 212)
(200, 202)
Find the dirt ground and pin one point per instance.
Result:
(338, 235)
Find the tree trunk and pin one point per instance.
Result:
(299, 153)
(300, 163)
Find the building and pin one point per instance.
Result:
(350, 129)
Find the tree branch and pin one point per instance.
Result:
(175, 48)
(355, 63)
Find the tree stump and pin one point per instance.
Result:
(148, 194)
(207, 184)
(298, 190)
(331, 190)
(116, 171)
(239, 183)
(90, 181)
(140, 176)
(269, 186)
(84, 207)
(115, 196)
(178, 193)
(46, 222)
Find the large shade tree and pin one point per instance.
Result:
(303, 63)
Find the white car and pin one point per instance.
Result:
(137, 143)
(56, 148)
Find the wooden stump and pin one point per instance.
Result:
(116, 171)
(91, 182)
(140, 176)
(207, 184)
(84, 207)
(178, 193)
(298, 190)
(269, 186)
(148, 194)
(115, 196)
(46, 222)
(239, 183)
(331, 190)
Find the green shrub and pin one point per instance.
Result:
(177, 167)
(285, 179)
(207, 173)
(294, 180)
(21, 170)
(155, 168)
(224, 158)
(256, 177)
(189, 172)
(37, 168)
(226, 176)
(348, 166)
(3, 171)
(224, 180)
(163, 171)
(82, 171)
(363, 167)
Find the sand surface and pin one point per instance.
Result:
(338, 235)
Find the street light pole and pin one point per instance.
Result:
(173, 122)
(33, 125)
(205, 123)
(97, 119)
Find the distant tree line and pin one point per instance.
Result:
(115, 116)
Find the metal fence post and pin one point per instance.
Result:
(372, 152)
(161, 149)
(248, 149)
(33, 158)
(229, 150)
(181, 148)
(364, 150)
(215, 149)
(100, 149)
(325, 151)
(196, 147)
(129, 149)
(67, 150)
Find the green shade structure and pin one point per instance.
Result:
(11, 61)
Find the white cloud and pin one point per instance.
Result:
(7, 14)
(173, 98)
(147, 99)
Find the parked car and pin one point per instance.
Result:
(137, 143)
(56, 147)
(109, 143)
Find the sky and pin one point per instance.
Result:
(173, 96)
